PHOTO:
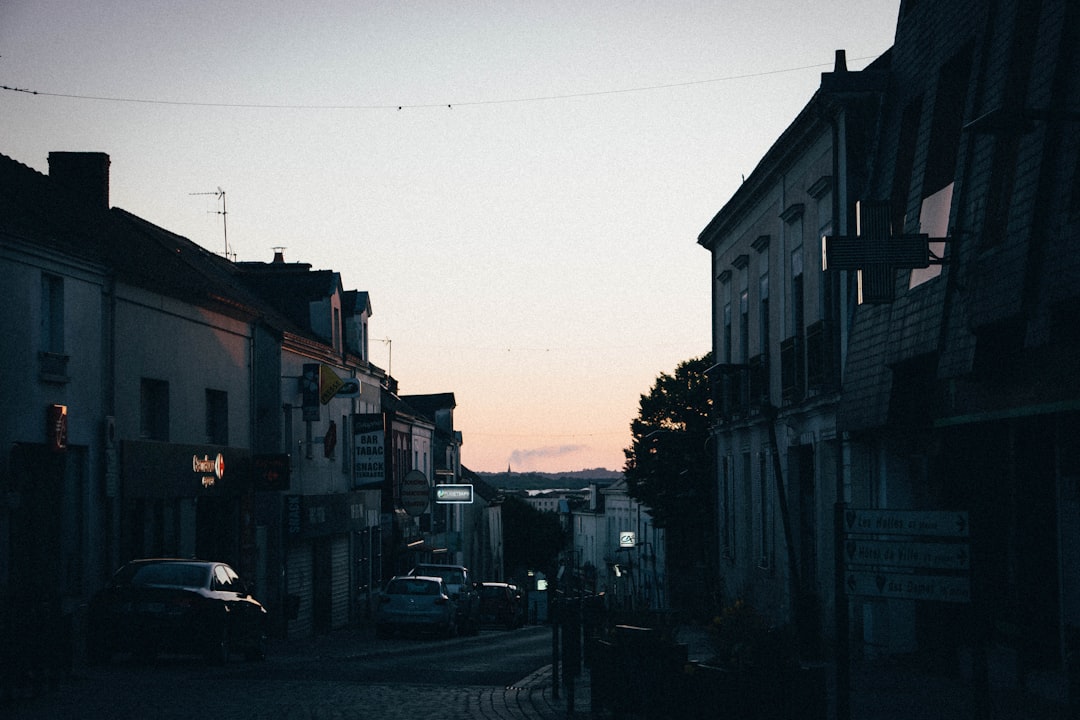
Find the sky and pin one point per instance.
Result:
(518, 185)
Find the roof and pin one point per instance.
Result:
(430, 404)
(289, 287)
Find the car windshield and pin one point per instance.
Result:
(171, 574)
(450, 576)
(406, 586)
(491, 591)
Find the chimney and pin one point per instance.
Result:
(279, 255)
(840, 64)
(85, 174)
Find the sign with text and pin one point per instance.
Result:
(369, 453)
(902, 553)
(905, 554)
(938, 523)
(445, 494)
(415, 492)
(943, 588)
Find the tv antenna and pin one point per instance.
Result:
(390, 354)
(220, 195)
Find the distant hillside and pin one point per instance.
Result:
(543, 481)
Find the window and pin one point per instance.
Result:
(727, 333)
(763, 319)
(728, 465)
(905, 162)
(217, 417)
(764, 525)
(52, 314)
(948, 119)
(52, 362)
(934, 222)
(154, 409)
(797, 302)
(223, 581)
(748, 505)
(336, 330)
(744, 326)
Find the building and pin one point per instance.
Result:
(951, 279)
(323, 558)
(633, 550)
(780, 324)
(159, 399)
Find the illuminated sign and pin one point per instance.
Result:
(211, 470)
(445, 494)
(627, 539)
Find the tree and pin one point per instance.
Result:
(669, 468)
(532, 540)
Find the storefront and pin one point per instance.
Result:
(330, 541)
(187, 501)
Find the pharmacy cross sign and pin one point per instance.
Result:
(876, 253)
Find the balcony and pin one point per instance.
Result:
(52, 367)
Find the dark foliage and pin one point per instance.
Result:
(668, 466)
(532, 540)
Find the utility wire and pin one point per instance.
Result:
(504, 101)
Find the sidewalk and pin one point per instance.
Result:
(894, 688)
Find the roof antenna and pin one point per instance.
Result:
(220, 194)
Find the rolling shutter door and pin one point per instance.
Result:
(341, 580)
(299, 583)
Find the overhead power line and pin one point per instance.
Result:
(404, 106)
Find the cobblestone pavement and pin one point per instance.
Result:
(288, 686)
(882, 690)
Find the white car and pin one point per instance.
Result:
(416, 603)
(462, 589)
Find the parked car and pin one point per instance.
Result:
(501, 604)
(176, 605)
(462, 591)
(416, 603)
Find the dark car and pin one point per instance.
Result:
(179, 606)
(501, 604)
(462, 591)
(416, 603)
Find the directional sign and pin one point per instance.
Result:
(938, 523)
(943, 588)
(445, 494)
(908, 554)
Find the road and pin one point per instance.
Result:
(350, 677)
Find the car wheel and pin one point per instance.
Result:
(217, 650)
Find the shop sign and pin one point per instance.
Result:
(369, 461)
(451, 494)
(56, 427)
(272, 472)
(415, 492)
(211, 470)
